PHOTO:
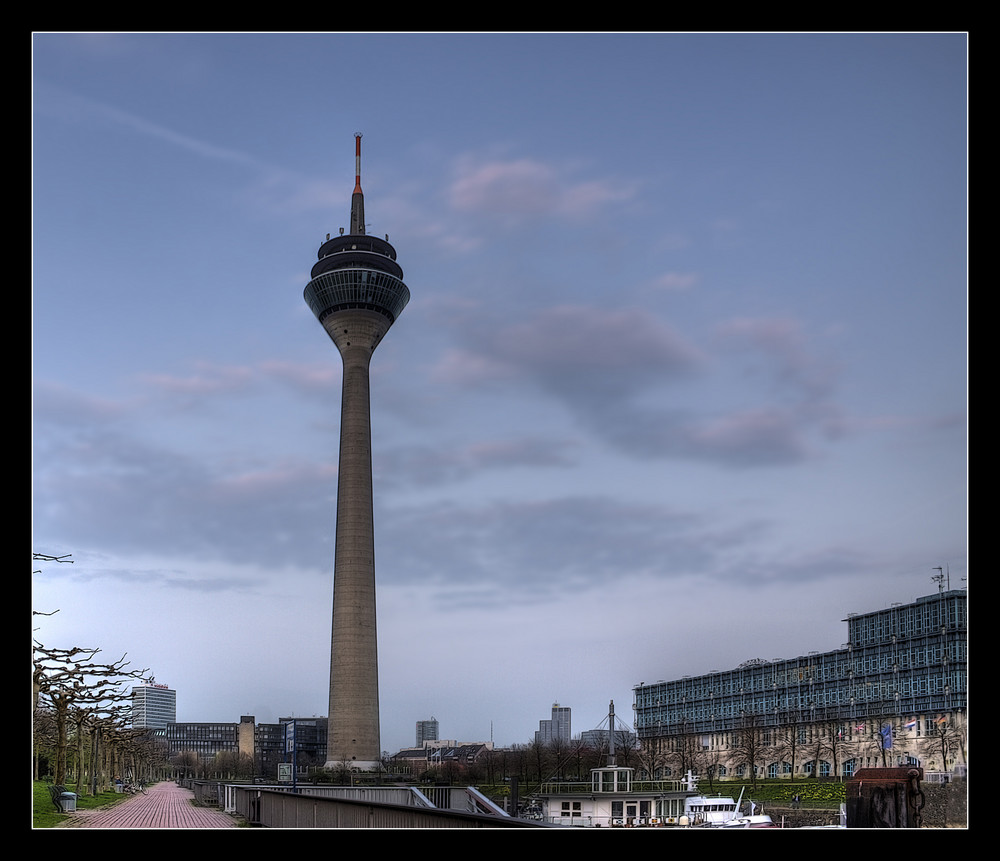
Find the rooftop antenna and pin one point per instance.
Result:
(611, 734)
(358, 198)
(942, 578)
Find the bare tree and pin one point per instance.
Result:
(45, 557)
(789, 740)
(943, 741)
(884, 741)
(650, 758)
(817, 748)
(186, 762)
(44, 739)
(68, 681)
(229, 764)
(837, 742)
(749, 748)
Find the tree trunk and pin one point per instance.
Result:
(59, 771)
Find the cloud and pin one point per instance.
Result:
(527, 187)
(426, 466)
(783, 342)
(764, 436)
(614, 368)
(108, 488)
(317, 378)
(64, 104)
(209, 380)
(675, 282)
(173, 578)
(532, 551)
(781, 403)
(101, 476)
(273, 189)
(536, 549)
(577, 352)
(53, 404)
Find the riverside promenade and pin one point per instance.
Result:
(165, 805)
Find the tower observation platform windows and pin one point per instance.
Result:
(351, 287)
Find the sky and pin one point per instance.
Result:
(682, 381)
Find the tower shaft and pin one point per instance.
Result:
(353, 733)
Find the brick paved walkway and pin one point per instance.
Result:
(165, 805)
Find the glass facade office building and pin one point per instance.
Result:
(153, 706)
(558, 729)
(427, 730)
(908, 661)
(266, 744)
(204, 739)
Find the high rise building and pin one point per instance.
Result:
(557, 729)
(356, 293)
(427, 730)
(153, 706)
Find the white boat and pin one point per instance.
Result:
(724, 812)
(758, 820)
(710, 811)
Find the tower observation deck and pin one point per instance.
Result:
(356, 292)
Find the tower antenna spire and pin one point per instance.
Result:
(358, 198)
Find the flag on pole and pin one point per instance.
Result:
(886, 733)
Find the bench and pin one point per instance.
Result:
(57, 792)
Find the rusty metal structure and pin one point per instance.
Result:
(885, 798)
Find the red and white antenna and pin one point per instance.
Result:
(358, 198)
(357, 162)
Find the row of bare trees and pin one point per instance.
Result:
(753, 746)
(530, 764)
(224, 765)
(81, 718)
(81, 715)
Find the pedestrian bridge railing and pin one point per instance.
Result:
(283, 806)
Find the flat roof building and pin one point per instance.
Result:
(558, 728)
(427, 730)
(153, 706)
(263, 744)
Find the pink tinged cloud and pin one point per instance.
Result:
(527, 187)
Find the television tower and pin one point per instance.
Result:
(356, 293)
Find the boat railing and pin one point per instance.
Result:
(585, 787)
(660, 786)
